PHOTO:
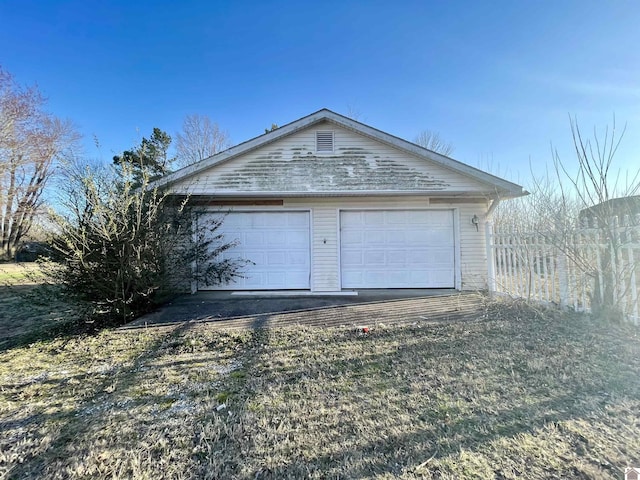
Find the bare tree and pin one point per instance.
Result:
(595, 180)
(545, 209)
(585, 209)
(434, 142)
(200, 138)
(602, 195)
(31, 140)
(354, 113)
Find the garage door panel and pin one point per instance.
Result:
(443, 217)
(440, 256)
(397, 237)
(275, 239)
(229, 221)
(276, 243)
(439, 236)
(297, 258)
(374, 257)
(377, 276)
(274, 220)
(254, 280)
(372, 218)
(418, 278)
(419, 257)
(296, 278)
(399, 249)
(396, 257)
(418, 217)
(350, 257)
(352, 278)
(276, 258)
(374, 237)
(256, 257)
(353, 218)
(440, 276)
(297, 239)
(276, 278)
(253, 239)
(296, 220)
(352, 238)
(395, 217)
(418, 236)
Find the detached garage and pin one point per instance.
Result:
(326, 204)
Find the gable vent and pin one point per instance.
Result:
(324, 141)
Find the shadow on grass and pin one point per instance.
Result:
(29, 313)
(424, 392)
(471, 397)
(150, 415)
(38, 313)
(73, 424)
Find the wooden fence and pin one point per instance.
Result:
(573, 270)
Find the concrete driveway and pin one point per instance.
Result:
(225, 306)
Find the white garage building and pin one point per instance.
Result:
(326, 204)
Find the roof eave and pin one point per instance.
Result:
(350, 193)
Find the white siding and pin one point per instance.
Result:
(358, 164)
(324, 276)
(473, 254)
(325, 266)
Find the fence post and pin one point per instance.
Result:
(633, 311)
(491, 262)
(563, 279)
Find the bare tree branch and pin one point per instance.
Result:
(31, 141)
(200, 138)
(585, 195)
(432, 141)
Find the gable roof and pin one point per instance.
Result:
(501, 187)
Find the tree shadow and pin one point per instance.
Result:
(31, 313)
(520, 394)
(526, 404)
(97, 408)
(75, 423)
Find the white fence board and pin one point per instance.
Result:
(538, 267)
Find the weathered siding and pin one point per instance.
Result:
(358, 164)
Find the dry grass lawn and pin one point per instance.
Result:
(514, 394)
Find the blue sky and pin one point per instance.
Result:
(498, 79)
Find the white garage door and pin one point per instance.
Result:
(278, 245)
(397, 249)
